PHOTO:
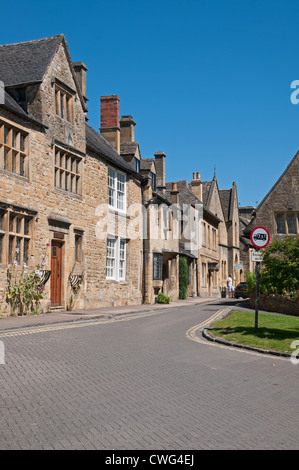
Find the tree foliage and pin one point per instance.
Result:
(280, 268)
(183, 278)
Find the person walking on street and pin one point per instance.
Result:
(230, 286)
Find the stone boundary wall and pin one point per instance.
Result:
(274, 303)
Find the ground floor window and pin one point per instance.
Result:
(157, 266)
(15, 237)
(116, 259)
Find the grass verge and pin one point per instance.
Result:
(274, 332)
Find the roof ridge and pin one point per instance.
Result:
(32, 40)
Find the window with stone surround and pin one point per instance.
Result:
(116, 259)
(64, 106)
(287, 223)
(67, 171)
(13, 150)
(157, 266)
(116, 190)
(15, 236)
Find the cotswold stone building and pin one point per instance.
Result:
(58, 176)
(279, 210)
(97, 222)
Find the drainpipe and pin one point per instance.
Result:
(144, 182)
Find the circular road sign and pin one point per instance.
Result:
(260, 237)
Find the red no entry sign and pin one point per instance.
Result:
(260, 237)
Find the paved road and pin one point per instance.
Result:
(142, 382)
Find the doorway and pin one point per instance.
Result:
(56, 273)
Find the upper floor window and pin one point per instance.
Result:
(153, 176)
(116, 190)
(67, 171)
(13, 150)
(287, 223)
(136, 164)
(63, 104)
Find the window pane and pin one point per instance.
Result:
(22, 142)
(291, 220)
(14, 162)
(26, 226)
(6, 157)
(11, 223)
(280, 223)
(6, 135)
(19, 225)
(1, 220)
(158, 266)
(122, 259)
(22, 166)
(10, 250)
(14, 138)
(26, 250)
(110, 260)
(18, 249)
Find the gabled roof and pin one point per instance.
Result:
(26, 62)
(278, 181)
(147, 164)
(98, 144)
(128, 148)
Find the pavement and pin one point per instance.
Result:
(51, 318)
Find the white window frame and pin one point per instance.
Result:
(114, 181)
(117, 270)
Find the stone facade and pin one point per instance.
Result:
(99, 221)
(279, 210)
(61, 195)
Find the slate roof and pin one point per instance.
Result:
(278, 181)
(186, 195)
(225, 198)
(128, 148)
(146, 163)
(13, 106)
(101, 146)
(206, 186)
(27, 62)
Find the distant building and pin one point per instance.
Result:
(279, 210)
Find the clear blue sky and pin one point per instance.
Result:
(206, 81)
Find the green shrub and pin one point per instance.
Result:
(163, 299)
(183, 278)
(250, 281)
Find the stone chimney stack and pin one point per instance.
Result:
(196, 185)
(80, 71)
(174, 193)
(127, 129)
(160, 169)
(110, 129)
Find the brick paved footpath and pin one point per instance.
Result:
(139, 382)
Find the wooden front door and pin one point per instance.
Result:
(56, 273)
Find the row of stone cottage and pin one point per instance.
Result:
(102, 224)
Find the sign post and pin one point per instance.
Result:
(260, 238)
